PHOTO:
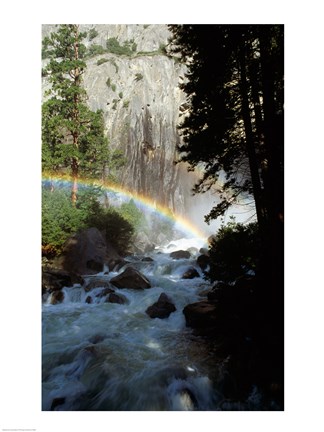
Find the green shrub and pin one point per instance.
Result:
(132, 214)
(108, 82)
(92, 33)
(120, 95)
(114, 47)
(234, 252)
(125, 103)
(138, 76)
(101, 61)
(60, 219)
(95, 49)
(114, 104)
(113, 87)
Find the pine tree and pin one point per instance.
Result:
(72, 135)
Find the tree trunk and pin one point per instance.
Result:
(250, 145)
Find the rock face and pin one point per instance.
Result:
(162, 308)
(141, 102)
(131, 278)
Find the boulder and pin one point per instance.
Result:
(87, 252)
(142, 244)
(131, 278)
(57, 402)
(88, 300)
(56, 279)
(57, 297)
(162, 308)
(97, 282)
(104, 292)
(116, 298)
(190, 274)
(203, 261)
(201, 314)
(179, 254)
(147, 259)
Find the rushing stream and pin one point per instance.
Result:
(108, 356)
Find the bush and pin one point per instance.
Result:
(95, 49)
(138, 76)
(101, 61)
(114, 47)
(92, 33)
(126, 104)
(60, 219)
(133, 215)
(234, 252)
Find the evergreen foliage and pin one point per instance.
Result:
(92, 33)
(114, 47)
(133, 215)
(234, 252)
(73, 136)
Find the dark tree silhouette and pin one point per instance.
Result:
(235, 124)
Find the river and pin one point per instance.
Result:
(105, 356)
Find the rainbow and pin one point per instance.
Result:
(182, 223)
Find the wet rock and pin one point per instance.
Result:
(179, 254)
(131, 278)
(116, 298)
(96, 266)
(162, 308)
(57, 402)
(148, 259)
(191, 273)
(97, 338)
(88, 300)
(56, 279)
(201, 314)
(203, 261)
(97, 283)
(104, 292)
(57, 297)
